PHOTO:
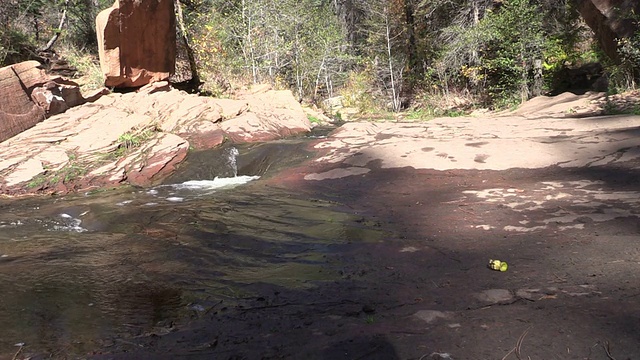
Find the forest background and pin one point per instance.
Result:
(441, 57)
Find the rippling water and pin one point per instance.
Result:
(83, 271)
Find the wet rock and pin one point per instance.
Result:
(430, 316)
(439, 356)
(529, 294)
(137, 42)
(495, 296)
(368, 309)
(337, 173)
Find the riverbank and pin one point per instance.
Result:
(375, 247)
(138, 138)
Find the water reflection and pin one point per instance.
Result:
(81, 271)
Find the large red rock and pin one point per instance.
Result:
(137, 42)
(28, 96)
(17, 111)
(610, 20)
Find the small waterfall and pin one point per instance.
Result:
(232, 160)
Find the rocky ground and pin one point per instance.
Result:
(138, 138)
(556, 197)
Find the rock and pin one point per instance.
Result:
(430, 316)
(333, 104)
(273, 114)
(439, 356)
(166, 122)
(137, 42)
(337, 173)
(529, 294)
(17, 111)
(164, 155)
(25, 172)
(495, 296)
(320, 118)
(29, 95)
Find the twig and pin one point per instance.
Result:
(519, 343)
(516, 348)
(605, 346)
(509, 353)
(212, 306)
(17, 352)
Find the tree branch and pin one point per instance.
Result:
(58, 31)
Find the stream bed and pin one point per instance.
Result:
(88, 271)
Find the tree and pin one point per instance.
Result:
(295, 44)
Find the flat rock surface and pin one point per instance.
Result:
(557, 198)
(138, 138)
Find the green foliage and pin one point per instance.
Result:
(37, 181)
(493, 55)
(129, 140)
(313, 119)
(81, 30)
(357, 91)
(133, 139)
(72, 172)
(88, 66)
(626, 74)
(290, 44)
(15, 46)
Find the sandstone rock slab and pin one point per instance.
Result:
(17, 111)
(137, 42)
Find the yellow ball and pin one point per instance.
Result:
(504, 266)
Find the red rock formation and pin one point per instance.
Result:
(610, 20)
(137, 42)
(28, 95)
(17, 111)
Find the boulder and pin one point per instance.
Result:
(166, 122)
(610, 20)
(29, 95)
(137, 42)
(17, 111)
(270, 115)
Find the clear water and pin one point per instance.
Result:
(82, 270)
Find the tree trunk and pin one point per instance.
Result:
(394, 93)
(415, 73)
(195, 76)
(58, 31)
(610, 21)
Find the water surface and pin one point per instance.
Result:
(85, 271)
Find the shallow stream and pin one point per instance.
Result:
(83, 271)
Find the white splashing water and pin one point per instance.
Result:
(68, 223)
(232, 160)
(217, 183)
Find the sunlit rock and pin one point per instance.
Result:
(137, 42)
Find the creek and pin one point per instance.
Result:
(83, 271)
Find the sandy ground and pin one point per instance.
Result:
(557, 198)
